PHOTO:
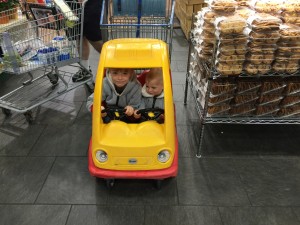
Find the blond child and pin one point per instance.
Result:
(121, 89)
(152, 91)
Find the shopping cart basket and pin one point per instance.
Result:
(139, 18)
(38, 56)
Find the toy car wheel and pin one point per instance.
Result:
(6, 112)
(151, 113)
(110, 183)
(28, 116)
(158, 184)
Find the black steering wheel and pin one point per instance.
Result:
(114, 112)
(151, 113)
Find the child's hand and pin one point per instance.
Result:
(137, 116)
(103, 114)
(129, 110)
(162, 117)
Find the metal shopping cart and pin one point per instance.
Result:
(37, 58)
(138, 19)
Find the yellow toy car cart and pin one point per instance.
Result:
(145, 150)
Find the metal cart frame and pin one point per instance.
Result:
(40, 56)
(138, 19)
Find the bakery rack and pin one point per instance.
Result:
(202, 83)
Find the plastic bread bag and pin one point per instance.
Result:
(207, 15)
(291, 6)
(244, 12)
(223, 6)
(291, 17)
(267, 6)
(225, 69)
(263, 22)
(235, 49)
(208, 27)
(262, 38)
(230, 59)
(289, 33)
(234, 24)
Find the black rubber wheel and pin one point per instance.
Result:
(53, 78)
(28, 116)
(7, 112)
(110, 183)
(158, 184)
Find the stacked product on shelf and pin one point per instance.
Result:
(204, 33)
(249, 53)
(184, 10)
(231, 45)
(263, 33)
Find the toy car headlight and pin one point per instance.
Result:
(101, 156)
(163, 156)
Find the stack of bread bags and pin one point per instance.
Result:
(291, 11)
(287, 57)
(204, 33)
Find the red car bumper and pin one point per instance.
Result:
(140, 174)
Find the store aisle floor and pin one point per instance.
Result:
(249, 174)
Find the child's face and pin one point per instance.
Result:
(120, 77)
(154, 87)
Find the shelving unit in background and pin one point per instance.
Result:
(224, 99)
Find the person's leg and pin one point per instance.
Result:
(97, 45)
(85, 49)
(82, 74)
(91, 32)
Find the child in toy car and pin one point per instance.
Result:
(152, 95)
(146, 150)
(121, 90)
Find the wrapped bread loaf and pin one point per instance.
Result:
(245, 98)
(223, 6)
(263, 22)
(270, 98)
(267, 110)
(291, 17)
(218, 109)
(207, 15)
(234, 24)
(293, 86)
(248, 85)
(267, 6)
(244, 109)
(289, 33)
(291, 6)
(285, 67)
(290, 100)
(221, 99)
(289, 111)
(222, 86)
(253, 69)
(230, 59)
(244, 12)
(257, 59)
(228, 70)
(228, 50)
(272, 85)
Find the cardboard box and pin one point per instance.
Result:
(191, 2)
(184, 13)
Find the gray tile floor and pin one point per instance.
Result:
(249, 174)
